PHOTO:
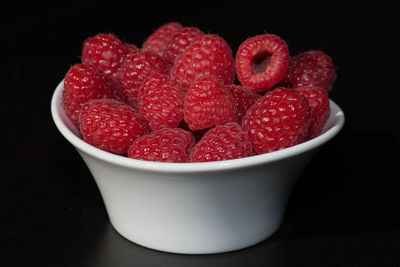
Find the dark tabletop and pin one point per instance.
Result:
(344, 208)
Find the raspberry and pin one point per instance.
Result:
(222, 142)
(137, 66)
(311, 68)
(262, 61)
(106, 52)
(207, 55)
(82, 83)
(111, 125)
(208, 103)
(244, 98)
(179, 41)
(319, 103)
(164, 145)
(157, 41)
(160, 100)
(278, 120)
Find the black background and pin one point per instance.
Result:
(344, 209)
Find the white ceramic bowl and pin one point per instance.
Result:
(195, 208)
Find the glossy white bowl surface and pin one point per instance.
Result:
(196, 208)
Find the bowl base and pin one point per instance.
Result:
(200, 249)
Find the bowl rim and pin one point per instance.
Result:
(335, 120)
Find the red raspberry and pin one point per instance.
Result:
(137, 66)
(111, 125)
(157, 41)
(164, 145)
(320, 108)
(160, 100)
(262, 61)
(278, 120)
(179, 41)
(222, 142)
(207, 55)
(82, 83)
(208, 103)
(244, 98)
(106, 52)
(311, 68)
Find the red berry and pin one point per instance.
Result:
(179, 41)
(311, 68)
(278, 120)
(208, 103)
(262, 61)
(160, 100)
(244, 98)
(320, 109)
(164, 145)
(222, 142)
(106, 52)
(137, 66)
(157, 41)
(207, 55)
(82, 83)
(111, 125)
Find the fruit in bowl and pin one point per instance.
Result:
(184, 78)
(176, 140)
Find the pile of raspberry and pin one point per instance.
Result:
(183, 96)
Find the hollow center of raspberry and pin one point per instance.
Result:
(261, 61)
